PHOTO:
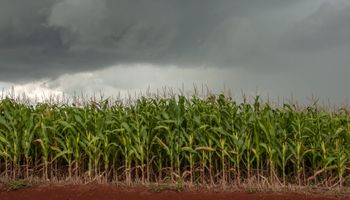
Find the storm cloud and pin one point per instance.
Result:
(45, 38)
(295, 42)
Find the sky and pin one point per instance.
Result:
(274, 48)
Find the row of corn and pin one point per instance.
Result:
(215, 140)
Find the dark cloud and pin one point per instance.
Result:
(325, 29)
(46, 38)
(280, 47)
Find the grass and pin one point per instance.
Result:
(16, 184)
(251, 190)
(157, 188)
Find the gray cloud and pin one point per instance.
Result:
(46, 38)
(327, 28)
(280, 46)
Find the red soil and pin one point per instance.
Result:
(102, 192)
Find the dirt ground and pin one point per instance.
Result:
(105, 192)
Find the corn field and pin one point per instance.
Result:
(213, 140)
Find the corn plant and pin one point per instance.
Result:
(213, 140)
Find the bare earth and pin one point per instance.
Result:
(104, 192)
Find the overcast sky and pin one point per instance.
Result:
(273, 47)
